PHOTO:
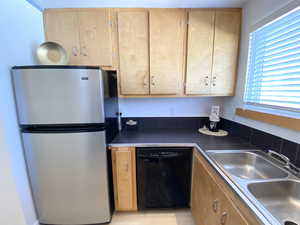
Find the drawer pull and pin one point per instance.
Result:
(126, 167)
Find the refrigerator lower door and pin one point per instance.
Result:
(59, 96)
(68, 174)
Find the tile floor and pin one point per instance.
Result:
(155, 217)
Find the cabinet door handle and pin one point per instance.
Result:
(214, 80)
(126, 167)
(145, 81)
(224, 218)
(152, 81)
(74, 51)
(206, 80)
(83, 51)
(215, 206)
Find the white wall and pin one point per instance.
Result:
(164, 107)
(21, 33)
(10, 205)
(254, 11)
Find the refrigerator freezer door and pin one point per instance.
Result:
(59, 96)
(68, 175)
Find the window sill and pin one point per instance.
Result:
(278, 120)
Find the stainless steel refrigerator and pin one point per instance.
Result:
(61, 112)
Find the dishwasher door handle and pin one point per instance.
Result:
(150, 160)
(161, 156)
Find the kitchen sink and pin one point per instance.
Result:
(281, 198)
(248, 165)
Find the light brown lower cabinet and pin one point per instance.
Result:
(212, 202)
(124, 178)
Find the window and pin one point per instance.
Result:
(273, 78)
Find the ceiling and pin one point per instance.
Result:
(42, 4)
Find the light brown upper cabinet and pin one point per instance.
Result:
(151, 51)
(95, 37)
(167, 44)
(85, 33)
(212, 51)
(226, 46)
(200, 51)
(133, 51)
(62, 27)
(156, 52)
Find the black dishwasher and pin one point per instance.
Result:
(163, 177)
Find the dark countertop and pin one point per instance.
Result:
(191, 137)
(180, 136)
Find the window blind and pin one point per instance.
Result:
(274, 63)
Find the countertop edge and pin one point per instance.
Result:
(260, 216)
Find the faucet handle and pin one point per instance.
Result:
(286, 161)
(293, 169)
(279, 157)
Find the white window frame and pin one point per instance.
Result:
(292, 112)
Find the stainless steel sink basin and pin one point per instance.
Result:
(281, 198)
(248, 165)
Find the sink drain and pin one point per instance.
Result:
(290, 223)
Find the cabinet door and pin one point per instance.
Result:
(124, 178)
(228, 213)
(210, 205)
(227, 32)
(133, 52)
(167, 44)
(199, 51)
(61, 26)
(202, 201)
(95, 37)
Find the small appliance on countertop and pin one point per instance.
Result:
(67, 114)
(213, 125)
(214, 118)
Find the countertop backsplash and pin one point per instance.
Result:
(255, 137)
